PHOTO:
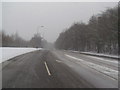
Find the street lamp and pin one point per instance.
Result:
(38, 28)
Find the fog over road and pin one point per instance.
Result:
(59, 69)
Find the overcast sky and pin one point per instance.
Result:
(26, 18)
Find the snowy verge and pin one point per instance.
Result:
(108, 71)
(97, 54)
(7, 53)
(101, 55)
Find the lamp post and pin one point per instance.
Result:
(38, 28)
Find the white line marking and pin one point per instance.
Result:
(47, 69)
(103, 69)
(103, 59)
(74, 58)
(58, 61)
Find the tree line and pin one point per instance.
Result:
(16, 41)
(99, 35)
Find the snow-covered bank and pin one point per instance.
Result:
(96, 54)
(10, 52)
(106, 70)
(101, 55)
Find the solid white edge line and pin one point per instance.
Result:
(89, 62)
(47, 69)
(90, 66)
(102, 59)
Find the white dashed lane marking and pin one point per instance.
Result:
(58, 61)
(47, 69)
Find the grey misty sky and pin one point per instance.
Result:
(26, 17)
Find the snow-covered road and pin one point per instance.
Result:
(10, 52)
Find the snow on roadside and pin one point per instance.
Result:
(100, 54)
(111, 72)
(112, 61)
(96, 54)
(10, 52)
